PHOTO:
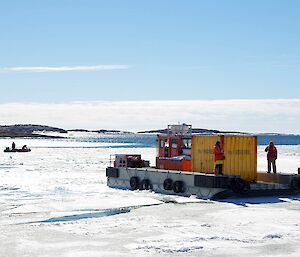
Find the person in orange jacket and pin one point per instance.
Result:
(271, 156)
(219, 157)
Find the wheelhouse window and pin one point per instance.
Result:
(174, 143)
(162, 143)
(187, 143)
(166, 143)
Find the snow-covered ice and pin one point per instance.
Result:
(54, 202)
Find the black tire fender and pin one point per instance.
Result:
(239, 186)
(145, 184)
(134, 183)
(178, 186)
(168, 184)
(295, 183)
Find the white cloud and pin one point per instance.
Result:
(43, 69)
(281, 115)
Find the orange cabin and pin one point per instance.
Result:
(174, 148)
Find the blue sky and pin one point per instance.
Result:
(144, 64)
(168, 50)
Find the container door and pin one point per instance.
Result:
(203, 153)
(241, 156)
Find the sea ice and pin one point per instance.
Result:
(54, 202)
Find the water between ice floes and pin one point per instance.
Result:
(54, 202)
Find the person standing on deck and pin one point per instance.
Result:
(13, 145)
(271, 156)
(219, 157)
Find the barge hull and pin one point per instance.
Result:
(204, 186)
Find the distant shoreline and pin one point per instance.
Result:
(28, 130)
(36, 131)
(25, 135)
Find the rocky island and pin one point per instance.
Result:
(194, 131)
(28, 130)
(33, 131)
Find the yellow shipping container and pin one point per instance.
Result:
(240, 155)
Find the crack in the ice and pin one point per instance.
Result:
(93, 213)
(90, 215)
(75, 217)
(7, 188)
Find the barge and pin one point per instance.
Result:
(185, 166)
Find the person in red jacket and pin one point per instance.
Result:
(219, 157)
(271, 156)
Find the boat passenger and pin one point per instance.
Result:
(24, 147)
(271, 156)
(13, 145)
(219, 157)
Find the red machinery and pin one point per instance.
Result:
(130, 161)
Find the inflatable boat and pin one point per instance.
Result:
(19, 150)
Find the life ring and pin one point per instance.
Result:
(239, 186)
(178, 186)
(168, 184)
(145, 184)
(134, 183)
